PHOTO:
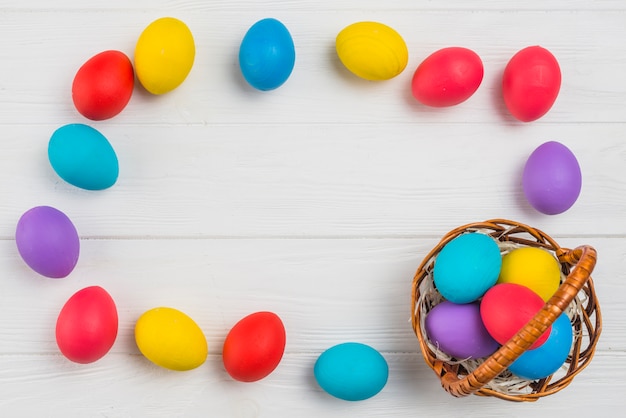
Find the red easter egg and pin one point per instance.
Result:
(103, 86)
(447, 77)
(87, 325)
(254, 347)
(531, 83)
(507, 307)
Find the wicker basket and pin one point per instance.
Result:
(490, 377)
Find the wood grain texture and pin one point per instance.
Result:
(37, 87)
(124, 386)
(318, 180)
(317, 200)
(326, 289)
(309, 5)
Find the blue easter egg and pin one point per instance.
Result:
(267, 54)
(467, 267)
(83, 157)
(351, 371)
(548, 357)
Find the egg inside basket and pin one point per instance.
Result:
(490, 376)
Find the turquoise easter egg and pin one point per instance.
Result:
(351, 371)
(550, 356)
(83, 157)
(466, 267)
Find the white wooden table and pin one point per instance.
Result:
(316, 201)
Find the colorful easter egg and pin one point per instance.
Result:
(171, 339)
(547, 359)
(532, 267)
(254, 346)
(447, 77)
(458, 330)
(552, 179)
(83, 157)
(267, 54)
(87, 325)
(466, 267)
(351, 371)
(531, 83)
(372, 50)
(164, 55)
(48, 241)
(506, 308)
(103, 85)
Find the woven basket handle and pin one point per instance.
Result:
(584, 257)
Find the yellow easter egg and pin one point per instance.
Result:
(164, 55)
(532, 267)
(171, 339)
(372, 50)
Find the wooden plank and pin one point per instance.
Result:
(311, 5)
(127, 386)
(37, 87)
(326, 291)
(316, 180)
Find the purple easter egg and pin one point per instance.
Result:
(47, 241)
(458, 330)
(552, 178)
